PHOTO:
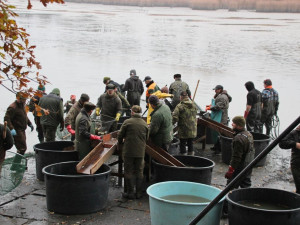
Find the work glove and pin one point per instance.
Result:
(246, 114)
(118, 116)
(207, 107)
(97, 111)
(31, 127)
(95, 137)
(62, 125)
(70, 130)
(13, 132)
(229, 173)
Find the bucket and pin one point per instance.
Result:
(68, 192)
(174, 147)
(198, 169)
(53, 152)
(287, 211)
(261, 141)
(167, 212)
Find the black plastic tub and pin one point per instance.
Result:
(198, 169)
(53, 152)
(68, 192)
(239, 214)
(261, 141)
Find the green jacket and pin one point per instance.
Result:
(134, 134)
(110, 106)
(161, 128)
(242, 150)
(176, 88)
(185, 115)
(82, 134)
(54, 104)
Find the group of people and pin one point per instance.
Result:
(48, 111)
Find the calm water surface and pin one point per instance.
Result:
(78, 44)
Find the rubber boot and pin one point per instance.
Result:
(139, 191)
(130, 189)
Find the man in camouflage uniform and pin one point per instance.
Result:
(72, 114)
(242, 152)
(17, 122)
(54, 104)
(134, 88)
(132, 137)
(37, 119)
(83, 136)
(176, 88)
(270, 103)
(161, 128)
(185, 115)
(110, 106)
(292, 141)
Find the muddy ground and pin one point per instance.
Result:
(27, 203)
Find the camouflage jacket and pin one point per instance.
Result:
(242, 150)
(176, 88)
(270, 100)
(185, 115)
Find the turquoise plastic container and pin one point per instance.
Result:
(165, 212)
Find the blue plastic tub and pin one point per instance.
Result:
(166, 212)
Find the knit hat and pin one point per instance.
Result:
(267, 82)
(136, 109)
(73, 97)
(132, 72)
(153, 100)
(177, 75)
(41, 87)
(105, 79)
(239, 121)
(56, 91)
(84, 97)
(88, 106)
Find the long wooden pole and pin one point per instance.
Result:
(196, 89)
(4, 129)
(244, 171)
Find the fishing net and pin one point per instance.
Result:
(12, 170)
(63, 135)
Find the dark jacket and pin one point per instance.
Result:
(135, 132)
(6, 143)
(109, 105)
(185, 114)
(133, 85)
(54, 104)
(242, 150)
(16, 116)
(270, 100)
(254, 100)
(72, 114)
(82, 134)
(222, 103)
(161, 128)
(289, 142)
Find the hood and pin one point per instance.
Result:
(56, 91)
(249, 85)
(134, 78)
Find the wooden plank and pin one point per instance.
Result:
(166, 155)
(159, 158)
(85, 165)
(222, 129)
(105, 155)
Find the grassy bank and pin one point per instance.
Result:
(292, 6)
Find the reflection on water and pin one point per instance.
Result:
(78, 44)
